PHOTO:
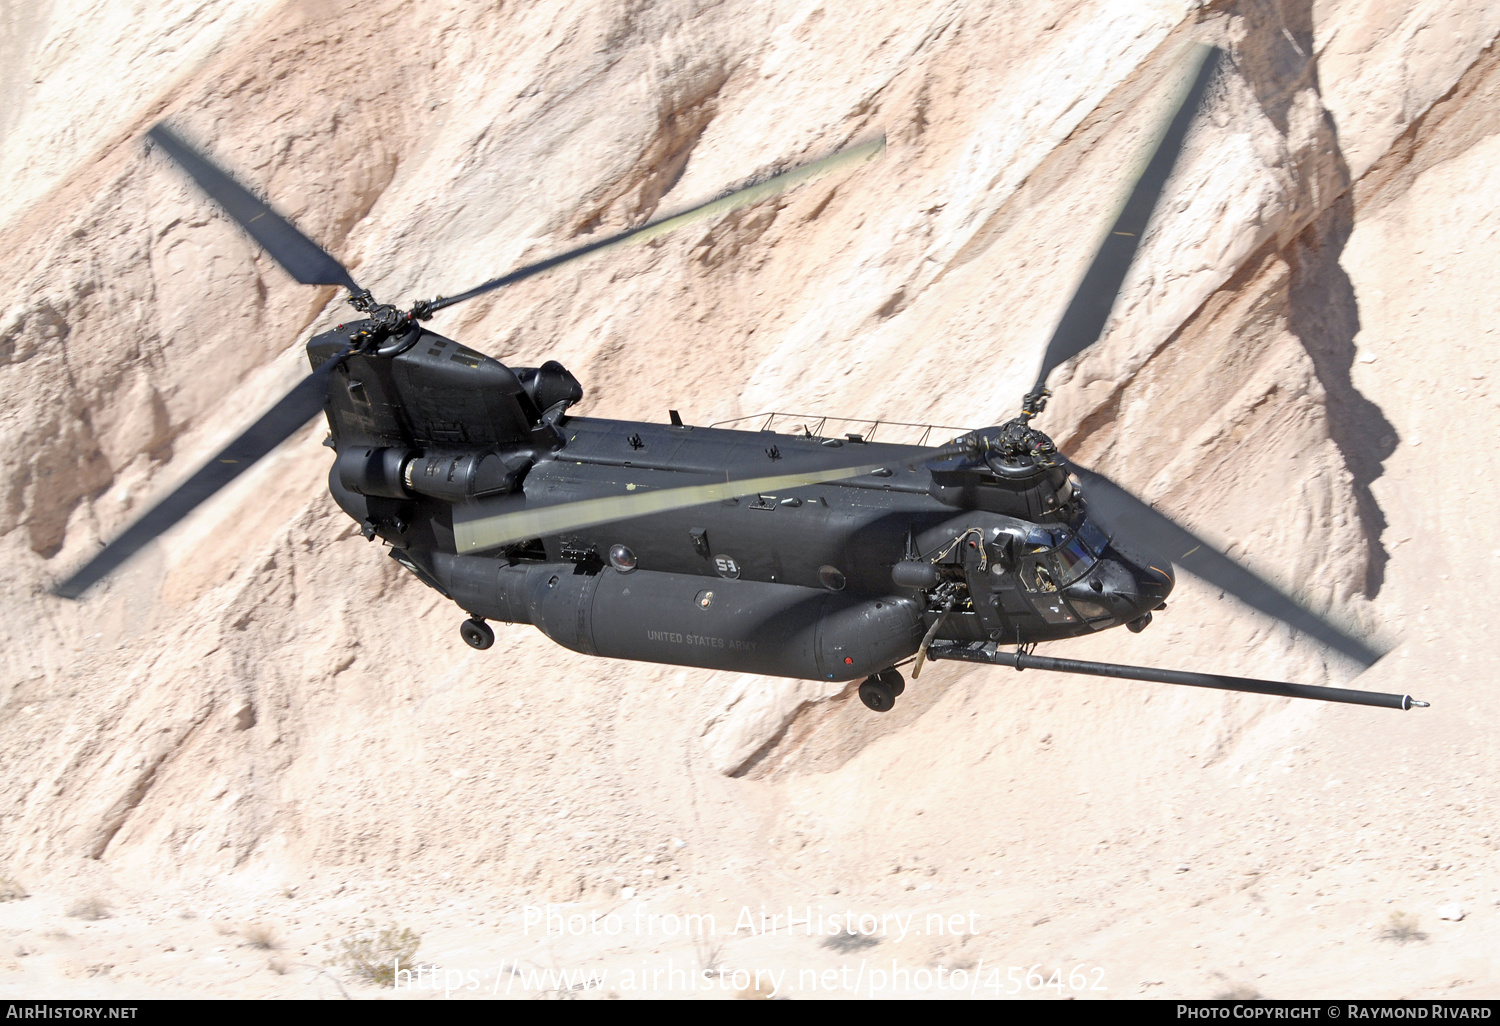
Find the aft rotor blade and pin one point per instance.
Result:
(278, 423)
(1134, 521)
(303, 259)
(489, 532)
(1083, 321)
(713, 208)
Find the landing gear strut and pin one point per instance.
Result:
(477, 633)
(880, 692)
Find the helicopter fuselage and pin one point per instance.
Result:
(833, 581)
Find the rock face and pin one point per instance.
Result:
(1300, 367)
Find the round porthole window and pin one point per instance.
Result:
(621, 558)
(832, 578)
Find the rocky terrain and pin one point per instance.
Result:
(262, 736)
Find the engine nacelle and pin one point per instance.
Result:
(453, 475)
(463, 474)
(372, 471)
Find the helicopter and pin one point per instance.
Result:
(794, 554)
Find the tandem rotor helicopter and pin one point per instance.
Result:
(791, 555)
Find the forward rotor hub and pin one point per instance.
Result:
(1015, 446)
(1019, 445)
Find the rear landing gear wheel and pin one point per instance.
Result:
(877, 695)
(893, 680)
(477, 633)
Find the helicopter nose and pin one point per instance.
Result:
(1151, 582)
(1121, 591)
(1152, 586)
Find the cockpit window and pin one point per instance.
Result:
(1058, 558)
(1043, 579)
(1074, 559)
(1093, 537)
(1039, 540)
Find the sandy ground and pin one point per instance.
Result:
(262, 739)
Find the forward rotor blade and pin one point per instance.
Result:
(1087, 312)
(278, 423)
(489, 532)
(1135, 521)
(303, 259)
(713, 208)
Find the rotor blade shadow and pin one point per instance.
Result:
(1087, 312)
(1136, 522)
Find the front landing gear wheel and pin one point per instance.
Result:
(877, 695)
(477, 633)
